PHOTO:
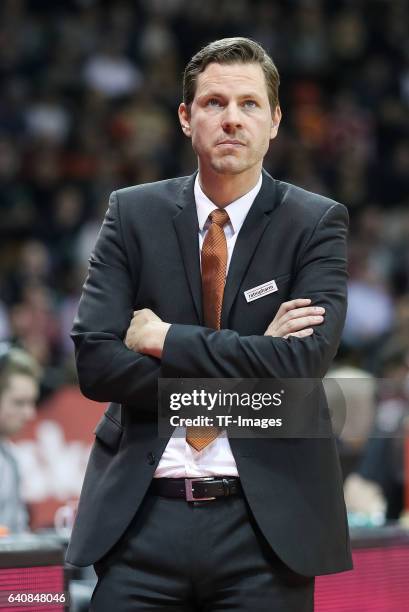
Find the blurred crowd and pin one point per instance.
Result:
(90, 91)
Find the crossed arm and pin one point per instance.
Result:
(120, 354)
(146, 333)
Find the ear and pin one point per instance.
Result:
(184, 118)
(275, 122)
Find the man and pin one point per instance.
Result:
(19, 376)
(165, 297)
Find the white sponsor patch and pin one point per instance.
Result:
(260, 291)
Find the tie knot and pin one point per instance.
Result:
(219, 216)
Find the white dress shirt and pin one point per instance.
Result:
(180, 460)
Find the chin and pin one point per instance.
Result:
(229, 167)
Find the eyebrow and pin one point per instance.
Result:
(215, 94)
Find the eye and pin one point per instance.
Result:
(213, 102)
(249, 104)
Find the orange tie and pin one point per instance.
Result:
(214, 264)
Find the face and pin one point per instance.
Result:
(230, 120)
(17, 404)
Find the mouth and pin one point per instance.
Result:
(231, 142)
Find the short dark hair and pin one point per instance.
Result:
(230, 51)
(14, 360)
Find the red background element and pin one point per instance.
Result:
(77, 416)
(378, 583)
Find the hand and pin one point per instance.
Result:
(146, 333)
(294, 318)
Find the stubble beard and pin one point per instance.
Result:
(230, 165)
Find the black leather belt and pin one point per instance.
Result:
(196, 489)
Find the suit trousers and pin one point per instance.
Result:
(201, 556)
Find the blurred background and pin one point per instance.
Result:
(89, 94)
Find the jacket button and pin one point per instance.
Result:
(151, 458)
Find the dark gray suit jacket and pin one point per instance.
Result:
(147, 255)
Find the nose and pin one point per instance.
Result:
(231, 119)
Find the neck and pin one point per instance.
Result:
(223, 189)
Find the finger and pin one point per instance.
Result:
(296, 303)
(301, 334)
(295, 325)
(308, 311)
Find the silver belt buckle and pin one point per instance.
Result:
(189, 489)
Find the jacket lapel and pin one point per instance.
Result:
(256, 222)
(187, 230)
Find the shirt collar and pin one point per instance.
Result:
(237, 210)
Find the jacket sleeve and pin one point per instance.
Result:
(321, 274)
(107, 369)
